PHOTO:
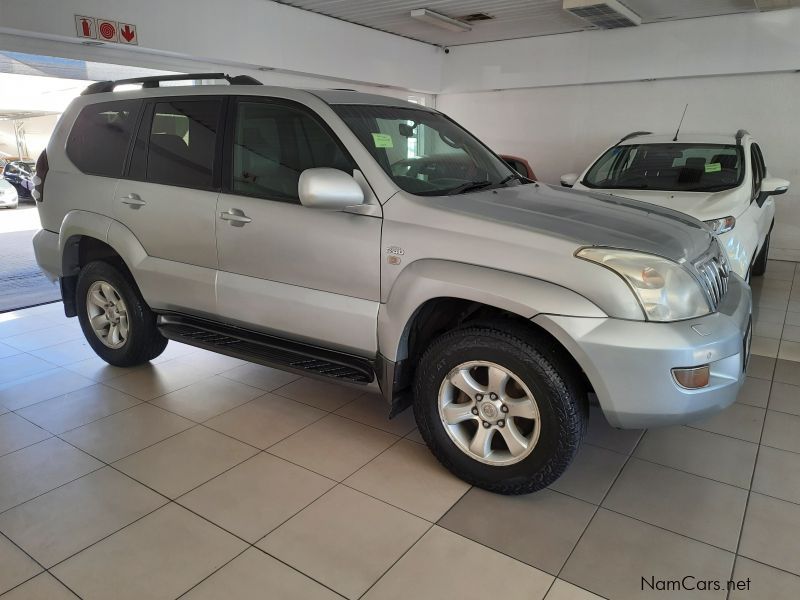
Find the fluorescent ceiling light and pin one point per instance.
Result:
(439, 20)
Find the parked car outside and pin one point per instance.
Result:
(8, 195)
(298, 232)
(520, 165)
(20, 174)
(719, 179)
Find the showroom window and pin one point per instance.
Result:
(99, 140)
(274, 143)
(181, 144)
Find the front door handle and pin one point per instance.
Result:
(133, 200)
(236, 217)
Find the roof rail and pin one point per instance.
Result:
(633, 135)
(153, 82)
(739, 135)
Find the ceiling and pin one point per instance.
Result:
(512, 18)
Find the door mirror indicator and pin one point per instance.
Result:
(329, 189)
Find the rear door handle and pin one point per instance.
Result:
(133, 200)
(236, 217)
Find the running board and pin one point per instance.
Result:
(266, 350)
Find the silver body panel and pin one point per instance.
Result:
(325, 277)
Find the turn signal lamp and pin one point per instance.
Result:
(692, 378)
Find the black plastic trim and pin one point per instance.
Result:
(264, 349)
(153, 82)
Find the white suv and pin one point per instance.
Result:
(719, 179)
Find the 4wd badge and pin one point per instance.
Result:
(396, 250)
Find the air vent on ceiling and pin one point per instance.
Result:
(605, 14)
(481, 16)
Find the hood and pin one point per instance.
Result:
(588, 219)
(701, 205)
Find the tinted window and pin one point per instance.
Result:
(182, 143)
(274, 143)
(99, 139)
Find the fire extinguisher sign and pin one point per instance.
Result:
(104, 30)
(86, 27)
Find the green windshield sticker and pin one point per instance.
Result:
(382, 140)
(713, 167)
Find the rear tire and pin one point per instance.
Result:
(115, 319)
(522, 396)
(760, 263)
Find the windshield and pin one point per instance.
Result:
(425, 153)
(668, 167)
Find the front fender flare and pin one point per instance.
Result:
(428, 279)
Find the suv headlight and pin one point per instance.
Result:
(665, 290)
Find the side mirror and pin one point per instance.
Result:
(569, 179)
(774, 186)
(329, 189)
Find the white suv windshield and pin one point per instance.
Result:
(668, 167)
(424, 152)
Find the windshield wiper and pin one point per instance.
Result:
(513, 176)
(468, 187)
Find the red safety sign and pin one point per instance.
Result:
(127, 34)
(107, 30)
(86, 27)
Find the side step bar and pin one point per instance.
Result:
(266, 350)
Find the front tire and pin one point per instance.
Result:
(499, 407)
(760, 263)
(115, 319)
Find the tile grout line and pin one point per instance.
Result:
(594, 515)
(755, 464)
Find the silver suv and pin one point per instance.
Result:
(295, 229)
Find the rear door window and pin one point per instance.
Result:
(99, 140)
(177, 143)
(182, 143)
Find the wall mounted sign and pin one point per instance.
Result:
(104, 30)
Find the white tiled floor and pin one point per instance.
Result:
(205, 477)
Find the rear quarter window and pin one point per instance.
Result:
(100, 137)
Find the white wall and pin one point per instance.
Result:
(243, 33)
(561, 129)
(729, 44)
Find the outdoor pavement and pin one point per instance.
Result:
(22, 283)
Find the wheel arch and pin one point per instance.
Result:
(83, 238)
(431, 298)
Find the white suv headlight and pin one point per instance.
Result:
(666, 291)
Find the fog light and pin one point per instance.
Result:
(692, 378)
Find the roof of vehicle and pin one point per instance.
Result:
(353, 97)
(683, 138)
(241, 84)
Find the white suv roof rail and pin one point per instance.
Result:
(154, 81)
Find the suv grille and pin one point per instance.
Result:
(713, 271)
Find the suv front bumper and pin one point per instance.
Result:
(629, 363)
